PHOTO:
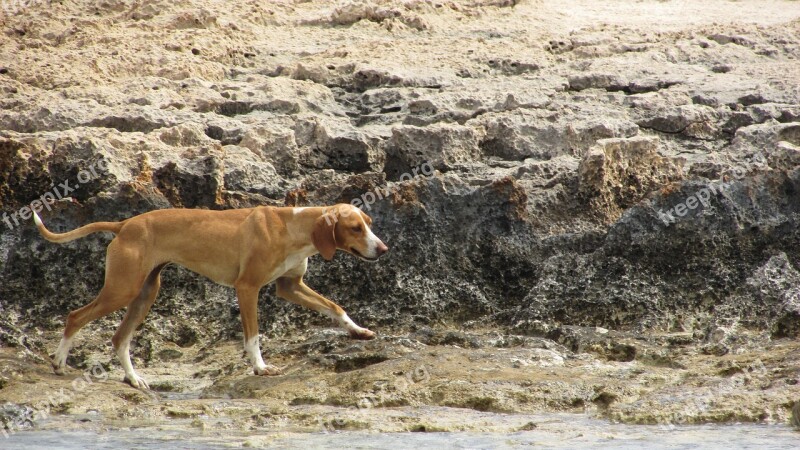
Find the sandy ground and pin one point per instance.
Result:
(389, 384)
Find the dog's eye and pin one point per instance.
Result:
(357, 229)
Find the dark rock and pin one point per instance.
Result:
(693, 120)
(169, 354)
(441, 146)
(197, 182)
(608, 82)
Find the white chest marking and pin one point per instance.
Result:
(295, 264)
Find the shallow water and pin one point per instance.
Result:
(551, 431)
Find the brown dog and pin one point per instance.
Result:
(243, 248)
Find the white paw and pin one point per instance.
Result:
(268, 370)
(361, 334)
(59, 369)
(137, 382)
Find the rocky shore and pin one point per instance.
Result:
(592, 209)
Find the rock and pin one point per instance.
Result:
(337, 144)
(796, 415)
(774, 293)
(512, 67)
(365, 78)
(611, 345)
(196, 181)
(199, 18)
(771, 144)
(618, 173)
(430, 337)
(16, 417)
(244, 171)
(224, 133)
(696, 121)
(442, 146)
(608, 82)
(529, 189)
(629, 190)
(352, 12)
(542, 135)
(184, 135)
(275, 144)
(169, 354)
(723, 39)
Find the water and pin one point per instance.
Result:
(551, 431)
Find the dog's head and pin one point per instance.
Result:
(345, 227)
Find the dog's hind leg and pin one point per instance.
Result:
(135, 315)
(122, 284)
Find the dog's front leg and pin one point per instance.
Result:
(294, 290)
(248, 308)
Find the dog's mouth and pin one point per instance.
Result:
(360, 255)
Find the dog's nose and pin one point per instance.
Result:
(382, 248)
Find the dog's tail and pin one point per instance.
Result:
(77, 233)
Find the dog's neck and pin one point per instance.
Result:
(303, 220)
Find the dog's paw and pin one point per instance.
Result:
(59, 369)
(362, 334)
(268, 370)
(137, 382)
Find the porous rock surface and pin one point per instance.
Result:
(595, 167)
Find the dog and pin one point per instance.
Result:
(243, 248)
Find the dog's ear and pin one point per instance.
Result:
(324, 235)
